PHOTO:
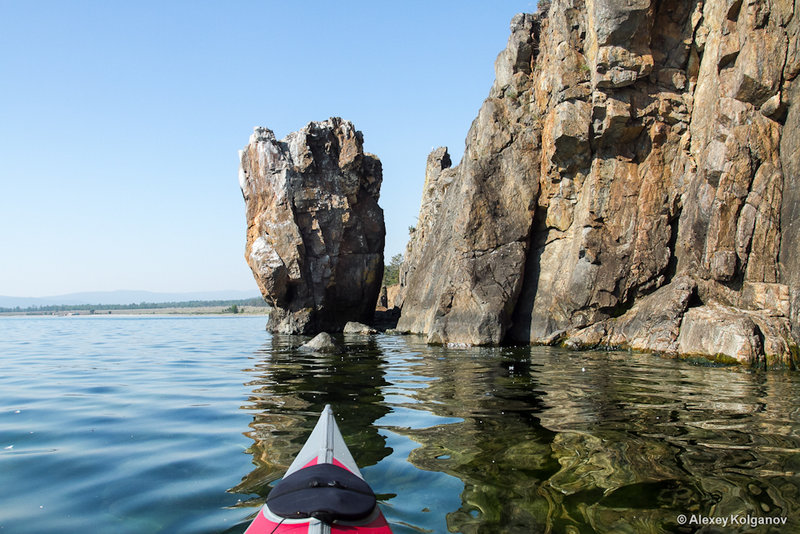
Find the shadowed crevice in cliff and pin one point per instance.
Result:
(672, 266)
(522, 321)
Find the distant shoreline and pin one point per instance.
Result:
(177, 310)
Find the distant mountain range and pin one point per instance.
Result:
(123, 297)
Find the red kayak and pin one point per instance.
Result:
(322, 492)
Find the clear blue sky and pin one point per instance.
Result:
(120, 123)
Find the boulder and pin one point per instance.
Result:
(654, 323)
(719, 330)
(353, 327)
(322, 342)
(315, 231)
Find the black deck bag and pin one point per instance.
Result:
(323, 491)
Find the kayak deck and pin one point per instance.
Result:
(322, 492)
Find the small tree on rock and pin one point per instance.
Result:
(391, 272)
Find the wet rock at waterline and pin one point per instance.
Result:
(322, 342)
(631, 180)
(315, 232)
(353, 327)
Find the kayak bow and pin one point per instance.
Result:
(322, 492)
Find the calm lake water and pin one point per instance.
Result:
(158, 424)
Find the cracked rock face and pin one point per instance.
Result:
(315, 232)
(465, 259)
(631, 178)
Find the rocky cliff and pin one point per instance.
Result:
(632, 180)
(315, 232)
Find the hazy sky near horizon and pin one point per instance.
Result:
(120, 123)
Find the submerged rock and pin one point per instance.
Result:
(634, 166)
(353, 327)
(315, 232)
(322, 342)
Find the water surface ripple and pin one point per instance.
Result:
(184, 425)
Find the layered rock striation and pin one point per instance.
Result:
(631, 181)
(315, 232)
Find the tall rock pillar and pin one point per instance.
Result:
(315, 232)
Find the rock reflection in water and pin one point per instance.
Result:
(541, 439)
(671, 439)
(500, 450)
(290, 391)
(553, 441)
